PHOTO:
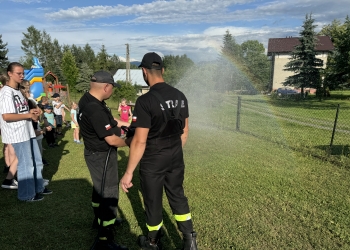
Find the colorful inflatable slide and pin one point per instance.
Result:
(35, 76)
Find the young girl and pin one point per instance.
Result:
(16, 129)
(125, 112)
(11, 160)
(74, 123)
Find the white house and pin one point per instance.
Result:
(279, 50)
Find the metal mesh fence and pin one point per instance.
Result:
(314, 128)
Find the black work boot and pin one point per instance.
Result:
(95, 221)
(148, 243)
(106, 240)
(190, 242)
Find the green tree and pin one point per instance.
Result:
(39, 44)
(230, 48)
(3, 55)
(89, 56)
(31, 43)
(337, 73)
(83, 81)
(102, 59)
(175, 67)
(127, 91)
(232, 70)
(69, 68)
(303, 63)
(114, 64)
(55, 60)
(256, 61)
(78, 54)
(332, 30)
(45, 47)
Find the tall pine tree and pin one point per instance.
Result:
(230, 48)
(304, 64)
(83, 80)
(69, 69)
(3, 55)
(102, 59)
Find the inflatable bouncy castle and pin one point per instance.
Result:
(35, 76)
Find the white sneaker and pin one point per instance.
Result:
(10, 184)
(45, 182)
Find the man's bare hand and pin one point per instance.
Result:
(125, 182)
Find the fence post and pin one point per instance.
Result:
(238, 118)
(335, 125)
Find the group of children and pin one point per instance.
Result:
(53, 118)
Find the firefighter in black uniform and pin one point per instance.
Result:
(101, 131)
(160, 119)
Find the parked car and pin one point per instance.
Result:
(286, 92)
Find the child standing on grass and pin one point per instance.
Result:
(57, 109)
(11, 160)
(74, 123)
(125, 113)
(50, 129)
(39, 133)
(64, 107)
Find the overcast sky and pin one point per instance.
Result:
(192, 27)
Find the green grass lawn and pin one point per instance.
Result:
(304, 125)
(245, 192)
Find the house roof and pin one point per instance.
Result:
(136, 76)
(285, 45)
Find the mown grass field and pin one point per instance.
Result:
(306, 125)
(245, 192)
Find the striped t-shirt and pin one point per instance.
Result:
(13, 102)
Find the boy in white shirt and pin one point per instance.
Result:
(57, 110)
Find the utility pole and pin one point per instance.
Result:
(127, 64)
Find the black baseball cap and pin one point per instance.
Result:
(48, 107)
(151, 60)
(104, 77)
(55, 95)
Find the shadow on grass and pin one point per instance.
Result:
(62, 220)
(172, 236)
(336, 149)
(54, 155)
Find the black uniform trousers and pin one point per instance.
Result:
(162, 166)
(108, 201)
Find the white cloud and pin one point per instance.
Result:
(29, 1)
(155, 11)
(205, 11)
(257, 20)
